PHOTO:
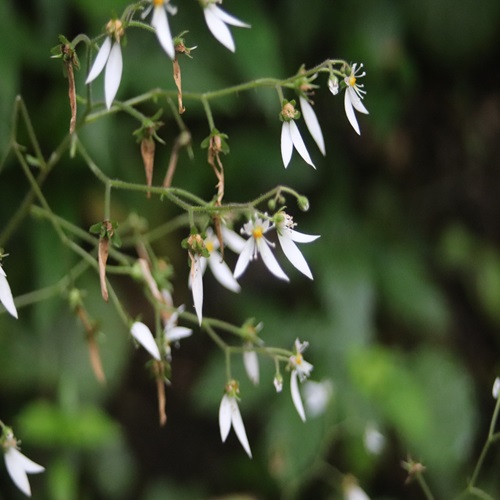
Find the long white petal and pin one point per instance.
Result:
(228, 18)
(301, 237)
(233, 240)
(197, 287)
(239, 427)
(225, 417)
(312, 124)
(143, 335)
(27, 464)
(294, 255)
(270, 260)
(17, 466)
(159, 21)
(244, 258)
(299, 143)
(177, 333)
(222, 272)
(286, 143)
(349, 111)
(113, 74)
(357, 102)
(6, 294)
(100, 60)
(251, 362)
(297, 401)
(218, 28)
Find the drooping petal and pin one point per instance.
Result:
(244, 258)
(27, 464)
(222, 272)
(159, 22)
(294, 255)
(312, 124)
(233, 240)
(100, 60)
(299, 143)
(297, 401)
(317, 396)
(6, 295)
(251, 362)
(17, 466)
(197, 286)
(349, 111)
(238, 426)
(143, 335)
(225, 417)
(218, 27)
(177, 333)
(301, 237)
(270, 260)
(113, 74)
(228, 18)
(286, 143)
(356, 101)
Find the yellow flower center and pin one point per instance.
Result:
(298, 358)
(209, 246)
(257, 232)
(352, 81)
(157, 3)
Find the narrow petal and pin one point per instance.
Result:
(357, 102)
(113, 74)
(27, 464)
(222, 272)
(17, 466)
(159, 21)
(218, 28)
(244, 258)
(349, 111)
(297, 401)
(270, 260)
(197, 286)
(225, 417)
(233, 240)
(177, 333)
(6, 295)
(251, 362)
(312, 124)
(100, 60)
(301, 237)
(239, 427)
(228, 18)
(299, 143)
(294, 255)
(286, 143)
(143, 335)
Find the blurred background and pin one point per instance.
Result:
(403, 316)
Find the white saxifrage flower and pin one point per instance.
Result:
(301, 370)
(217, 21)
(196, 280)
(6, 295)
(143, 335)
(312, 123)
(290, 135)
(173, 333)
(258, 244)
(18, 465)
(251, 363)
(109, 56)
(353, 96)
(159, 22)
(287, 238)
(229, 415)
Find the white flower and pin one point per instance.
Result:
(317, 395)
(278, 382)
(229, 415)
(173, 333)
(374, 440)
(352, 491)
(144, 336)
(18, 465)
(496, 385)
(312, 123)
(333, 84)
(353, 96)
(256, 244)
(159, 22)
(251, 362)
(217, 19)
(301, 369)
(6, 295)
(287, 236)
(290, 136)
(109, 55)
(196, 280)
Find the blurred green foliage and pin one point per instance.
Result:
(403, 314)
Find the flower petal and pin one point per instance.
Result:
(177, 333)
(218, 28)
(6, 294)
(225, 417)
(286, 143)
(270, 260)
(233, 240)
(222, 272)
(113, 74)
(17, 466)
(299, 143)
(312, 124)
(251, 362)
(228, 18)
(294, 255)
(301, 237)
(349, 111)
(159, 22)
(100, 60)
(143, 335)
(197, 286)
(357, 102)
(239, 427)
(244, 258)
(297, 401)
